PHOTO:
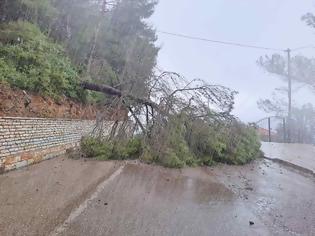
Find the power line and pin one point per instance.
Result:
(220, 42)
(304, 47)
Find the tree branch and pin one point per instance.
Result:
(115, 92)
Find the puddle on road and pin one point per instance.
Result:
(199, 191)
(174, 186)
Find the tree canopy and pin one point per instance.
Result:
(302, 68)
(106, 43)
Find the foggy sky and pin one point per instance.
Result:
(270, 23)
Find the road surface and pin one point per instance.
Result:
(67, 197)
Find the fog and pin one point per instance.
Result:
(268, 23)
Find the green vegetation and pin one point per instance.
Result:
(29, 61)
(185, 144)
(109, 150)
(200, 142)
(49, 46)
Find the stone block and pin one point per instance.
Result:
(11, 160)
(37, 159)
(30, 162)
(9, 167)
(21, 164)
(26, 156)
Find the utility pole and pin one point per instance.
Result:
(269, 129)
(284, 130)
(289, 96)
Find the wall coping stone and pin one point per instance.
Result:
(39, 118)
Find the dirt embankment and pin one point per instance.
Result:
(18, 103)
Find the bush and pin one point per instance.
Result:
(172, 160)
(231, 143)
(188, 142)
(93, 148)
(29, 61)
(111, 150)
(147, 155)
(169, 146)
(246, 145)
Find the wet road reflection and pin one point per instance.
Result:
(148, 200)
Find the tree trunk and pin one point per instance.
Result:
(93, 47)
(115, 92)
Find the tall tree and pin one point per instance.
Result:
(115, 46)
(302, 68)
(40, 12)
(109, 41)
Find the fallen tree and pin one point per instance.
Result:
(179, 122)
(169, 93)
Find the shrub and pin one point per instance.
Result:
(130, 149)
(227, 142)
(94, 148)
(29, 61)
(201, 142)
(246, 145)
(169, 146)
(172, 160)
(111, 150)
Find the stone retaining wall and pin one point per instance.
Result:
(24, 141)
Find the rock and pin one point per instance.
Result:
(251, 222)
(74, 153)
(249, 189)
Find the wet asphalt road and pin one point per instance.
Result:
(35, 199)
(298, 155)
(148, 200)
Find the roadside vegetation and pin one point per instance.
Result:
(30, 61)
(49, 47)
(184, 143)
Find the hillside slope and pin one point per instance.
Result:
(17, 103)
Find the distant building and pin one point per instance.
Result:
(264, 134)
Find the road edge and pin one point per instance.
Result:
(83, 206)
(292, 165)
